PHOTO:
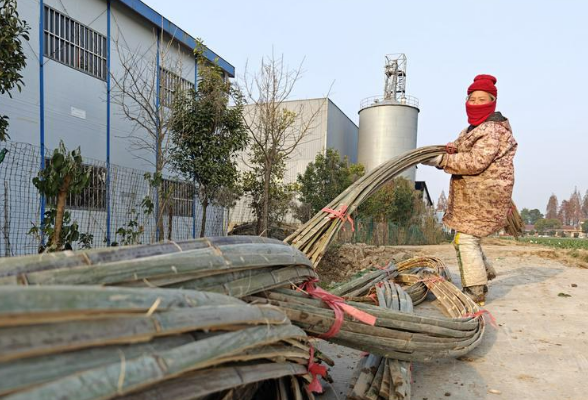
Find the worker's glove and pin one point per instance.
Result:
(434, 162)
(451, 148)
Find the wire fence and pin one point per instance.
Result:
(376, 233)
(20, 204)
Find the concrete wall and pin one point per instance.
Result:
(342, 133)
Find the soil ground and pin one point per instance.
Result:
(539, 349)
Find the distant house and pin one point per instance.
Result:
(570, 231)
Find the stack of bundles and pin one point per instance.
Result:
(314, 237)
(377, 377)
(234, 265)
(72, 342)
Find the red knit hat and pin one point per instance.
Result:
(484, 83)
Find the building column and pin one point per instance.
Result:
(158, 124)
(108, 188)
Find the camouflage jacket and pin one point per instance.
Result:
(482, 178)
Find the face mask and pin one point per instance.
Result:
(478, 113)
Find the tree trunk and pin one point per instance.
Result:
(266, 199)
(159, 212)
(204, 208)
(160, 234)
(170, 221)
(61, 197)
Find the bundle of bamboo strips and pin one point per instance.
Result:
(377, 377)
(395, 334)
(234, 265)
(93, 342)
(514, 222)
(363, 288)
(314, 237)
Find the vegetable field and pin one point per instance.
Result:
(561, 243)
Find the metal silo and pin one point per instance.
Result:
(388, 123)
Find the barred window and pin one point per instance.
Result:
(169, 83)
(181, 197)
(93, 197)
(74, 44)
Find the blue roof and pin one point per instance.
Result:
(175, 32)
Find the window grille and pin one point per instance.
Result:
(181, 197)
(169, 83)
(74, 44)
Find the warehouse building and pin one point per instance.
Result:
(70, 95)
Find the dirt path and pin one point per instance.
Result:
(539, 349)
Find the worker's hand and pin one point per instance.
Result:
(451, 148)
(434, 162)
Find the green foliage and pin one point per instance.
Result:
(585, 226)
(12, 57)
(280, 194)
(132, 231)
(86, 240)
(542, 225)
(323, 180)
(63, 166)
(531, 216)
(395, 202)
(64, 174)
(207, 133)
(69, 232)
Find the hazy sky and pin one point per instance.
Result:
(538, 50)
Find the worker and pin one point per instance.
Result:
(480, 162)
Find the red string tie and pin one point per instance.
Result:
(373, 297)
(315, 370)
(432, 280)
(481, 314)
(338, 306)
(340, 214)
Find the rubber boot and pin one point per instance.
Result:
(490, 271)
(477, 293)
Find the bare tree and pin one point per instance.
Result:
(575, 208)
(552, 208)
(136, 87)
(276, 130)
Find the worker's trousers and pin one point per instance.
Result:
(471, 259)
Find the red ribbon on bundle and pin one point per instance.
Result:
(339, 306)
(340, 214)
(315, 370)
(481, 314)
